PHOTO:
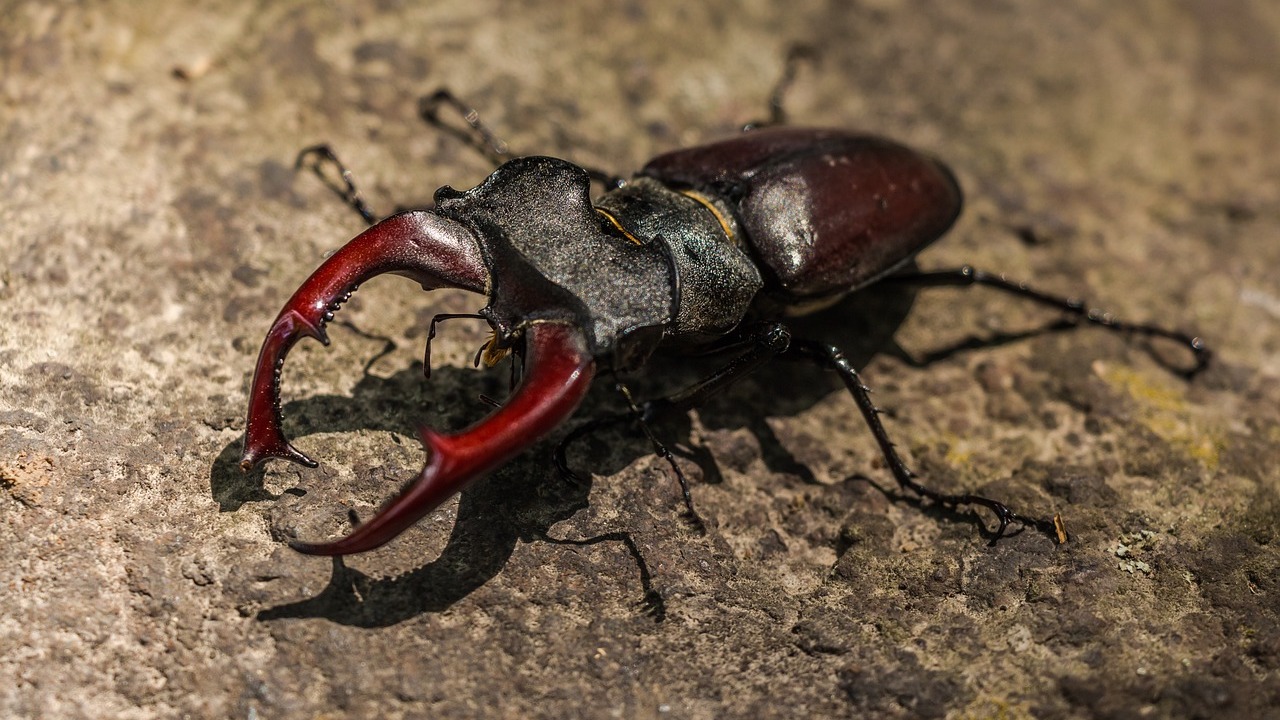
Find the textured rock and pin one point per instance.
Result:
(151, 226)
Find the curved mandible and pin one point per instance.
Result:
(420, 245)
(558, 372)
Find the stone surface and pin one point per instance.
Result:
(151, 226)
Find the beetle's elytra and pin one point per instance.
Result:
(711, 246)
(824, 211)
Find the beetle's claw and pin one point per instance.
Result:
(436, 252)
(264, 437)
(277, 448)
(430, 249)
(558, 373)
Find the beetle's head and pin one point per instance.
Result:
(437, 253)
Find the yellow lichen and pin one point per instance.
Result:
(1163, 409)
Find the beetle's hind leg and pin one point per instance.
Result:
(832, 358)
(317, 158)
(762, 344)
(1077, 310)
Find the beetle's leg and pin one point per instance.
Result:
(477, 134)
(796, 55)
(762, 344)
(665, 454)
(316, 157)
(968, 276)
(831, 358)
(481, 138)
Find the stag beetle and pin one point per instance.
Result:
(711, 246)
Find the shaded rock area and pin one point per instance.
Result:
(151, 226)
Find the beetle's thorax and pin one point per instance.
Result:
(551, 258)
(648, 264)
(714, 280)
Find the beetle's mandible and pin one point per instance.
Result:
(712, 246)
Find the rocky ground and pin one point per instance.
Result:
(151, 226)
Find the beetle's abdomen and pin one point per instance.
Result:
(824, 211)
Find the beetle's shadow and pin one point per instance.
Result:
(521, 500)
(861, 326)
(525, 498)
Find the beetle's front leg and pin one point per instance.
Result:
(316, 157)
(480, 137)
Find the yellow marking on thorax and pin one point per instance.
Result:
(614, 221)
(702, 200)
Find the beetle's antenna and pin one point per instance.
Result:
(316, 157)
(431, 334)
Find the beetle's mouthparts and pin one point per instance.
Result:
(437, 253)
(558, 372)
(420, 245)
